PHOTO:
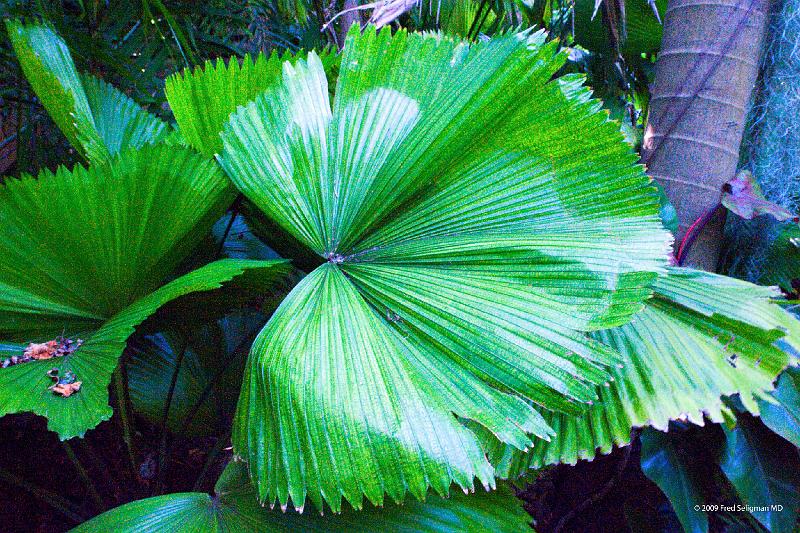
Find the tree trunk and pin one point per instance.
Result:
(705, 74)
(350, 16)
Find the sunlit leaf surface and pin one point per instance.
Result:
(475, 219)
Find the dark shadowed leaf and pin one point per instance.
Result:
(662, 462)
(235, 508)
(209, 376)
(642, 24)
(782, 413)
(781, 265)
(241, 242)
(765, 471)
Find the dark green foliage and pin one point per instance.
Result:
(234, 507)
(480, 280)
(738, 474)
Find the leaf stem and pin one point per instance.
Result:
(51, 498)
(122, 392)
(84, 475)
(211, 459)
(162, 449)
(237, 204)
(692, 233)
(101, 466)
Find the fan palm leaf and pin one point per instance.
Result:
(97, 119)
(475, 219)
(202, 99)
(701, 338)
(83, 253)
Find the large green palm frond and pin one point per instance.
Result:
(701, 338)
(80, 255)
(202, 99)
(234, 507)
(475, 219)
(97, 119)
(26, 386)
(97, 239)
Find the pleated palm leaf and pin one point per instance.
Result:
(472, 220)
(82, 255)
(701, 338)
(84, 251)
(234, 507)
(97, 119)
(478, 227)
(202, 99)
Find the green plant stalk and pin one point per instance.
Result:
(100, 466)
(162, 449)
(235, 354)
(177, 33)
(19, 127)
(211, 459)
(52, 499)
(84, 475)
(475, 26)
(121, 389)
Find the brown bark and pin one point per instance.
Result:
(704, 78)
(350, 15)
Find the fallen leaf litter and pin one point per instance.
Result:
(65, 385)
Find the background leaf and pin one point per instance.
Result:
(643, 27)
(120, 122)
(765, 472)
(234, 508)
(782, 413)
(662, 463)
(24, 387)
(48, 65)
(781, 265)
(97, 119)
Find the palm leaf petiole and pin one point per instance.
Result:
(162, 450)
(121, 389)
(51, 498)
(84, 475)
(211, 459)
